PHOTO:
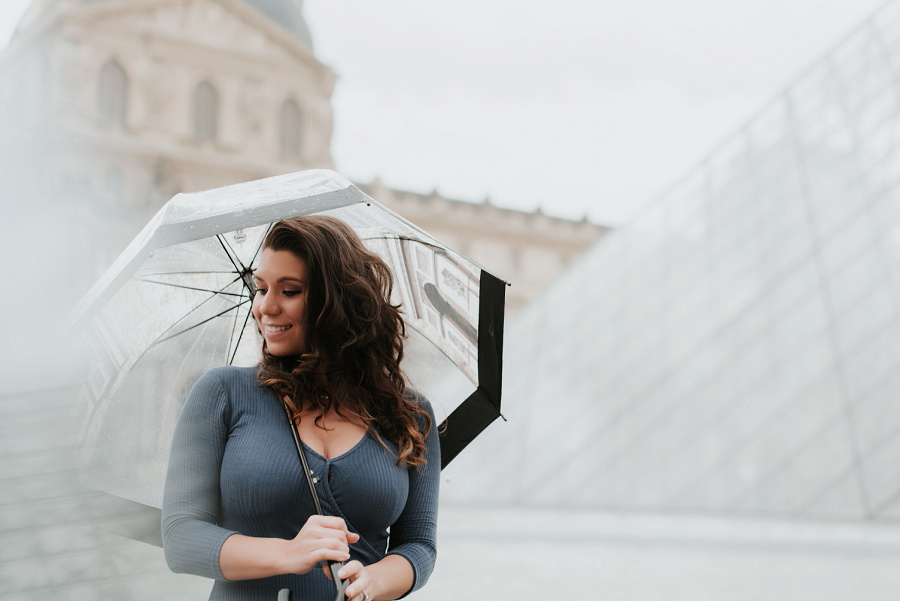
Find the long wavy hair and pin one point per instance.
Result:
(353, 331)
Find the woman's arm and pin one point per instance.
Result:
(191, 500)
(321, 538)
(413, 537)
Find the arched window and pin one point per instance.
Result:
(206, 112)
(112, 96)
(290, 129)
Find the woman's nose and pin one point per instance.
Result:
(269, 305)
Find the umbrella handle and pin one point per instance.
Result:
(333, 566)
(340, 586)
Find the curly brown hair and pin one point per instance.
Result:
(354, 331)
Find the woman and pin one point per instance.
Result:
(236, 505)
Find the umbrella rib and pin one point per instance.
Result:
(261, 240)
(249, 312)
(407, 239)
(211, 291)
(234, 325)
(238, 343)
(190, 272)
(232, 256)
(215, 293)
(160, 341)
(197, 325)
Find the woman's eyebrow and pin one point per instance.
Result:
(282, 279)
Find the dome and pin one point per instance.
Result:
(288, 14)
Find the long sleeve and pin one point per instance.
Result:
(191, 500)
(414, 534)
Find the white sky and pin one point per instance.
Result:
(578, 107)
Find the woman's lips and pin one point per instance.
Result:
(275, 330)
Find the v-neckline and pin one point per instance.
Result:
(355, 446)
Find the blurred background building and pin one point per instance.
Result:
(703, 406)
(141, 100)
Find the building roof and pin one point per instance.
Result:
(287, 13)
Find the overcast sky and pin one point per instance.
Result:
(577, 107)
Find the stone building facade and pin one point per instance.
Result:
(125, 103)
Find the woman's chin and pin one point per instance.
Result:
(281, 354)
(280, 351)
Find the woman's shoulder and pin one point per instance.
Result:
(226, 389)
(417, 399)
(232, 373)
(228, 378)
(414, 397)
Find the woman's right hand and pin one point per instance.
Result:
(322, 538)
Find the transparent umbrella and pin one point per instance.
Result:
(177, 303)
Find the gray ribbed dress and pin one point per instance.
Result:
(234, 469)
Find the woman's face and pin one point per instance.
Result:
(280, 302)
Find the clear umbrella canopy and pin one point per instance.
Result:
(177, 303)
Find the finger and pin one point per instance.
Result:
(359, 581)
(329, 535)
(360, 596)
(339, 533)
(332, 544)
(351, 570)
(310, 543)
(328, 521)
(321, 534)
(329, 555)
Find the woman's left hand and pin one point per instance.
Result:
(388, 578)
(359, 581)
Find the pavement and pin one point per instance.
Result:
(58, 540)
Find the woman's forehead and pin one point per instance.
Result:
(280, 264)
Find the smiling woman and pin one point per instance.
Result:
(235, 508)
(280, 302)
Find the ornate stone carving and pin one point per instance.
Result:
(203, 22)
